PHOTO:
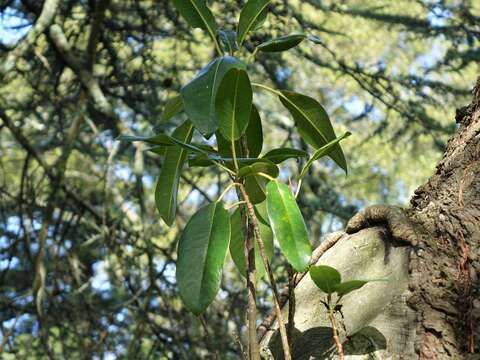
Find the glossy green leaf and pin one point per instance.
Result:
(228, 39)
(261, 166)
(256, 188)
(252, 15)
(261, 213)
(233, 104)
(197, 15)
(325, 277)
(200, 93)
(280, 155)
(167, 184)
(348, 286)
(201, 255)
(254, 133)
(313, 123)
(237, 245)
(282, 43)
(174, 106)
(323, 151)
(288, 225)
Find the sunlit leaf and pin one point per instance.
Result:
(201, 254)
(348, 286)
(325, 277)
(288, 225)
(261, 166)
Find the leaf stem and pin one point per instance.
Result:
(336, 339)
(227, 189)
(253, 218)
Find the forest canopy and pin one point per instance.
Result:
(87, 267)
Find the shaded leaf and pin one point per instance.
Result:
(252, 15)
(261, 166)
(325, 277)
(174, 106)
(200, 93)
(233, 104)
(197, 15)
(313, 123)
(201, 255)
(167, 184)
(279, 155)
(282, 43)
(324, 150)
(237, 245)
(254, 133)
(288, 225)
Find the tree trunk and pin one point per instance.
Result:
(430, 306)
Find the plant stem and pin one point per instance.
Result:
(331, 315)
(253, 219)
(291, 304)
(208, 337)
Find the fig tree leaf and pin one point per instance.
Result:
(288, 225)
(261, 166)
(252, 15)
(174, 106)
(312, 123)
(233, 104)
(348, 286)
(167, 184)
(200, 93)
(201, 255)
(282, 43)
(324, 150)
(325, 277)
(197, 15)
(280, 155)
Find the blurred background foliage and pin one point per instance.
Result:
(86, 266)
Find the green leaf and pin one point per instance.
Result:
(228, 39)
(288, 225)
(201, 254)
(237, 245)
(326, 278)
(261, 213)
(324, 150)
(233, 104)
(200, 93)
(197, 15)
(348, 286)
(252, 15)
(254, 133)
(167, 185)
(282, 43)
(173, 107)
(280, 155)
(261, 166)
(255, 187)
(254, 137)
(313, 123)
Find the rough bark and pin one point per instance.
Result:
(430, 307)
